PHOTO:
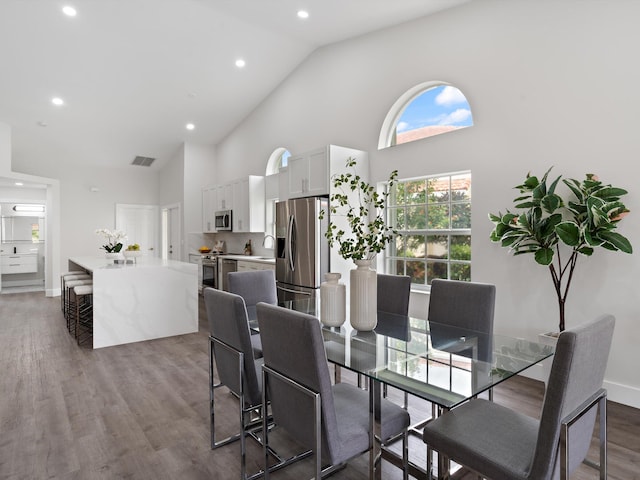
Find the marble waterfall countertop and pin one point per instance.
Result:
(152, 298)
(94, 263)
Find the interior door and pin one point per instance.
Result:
(140, 223)
(171, 232)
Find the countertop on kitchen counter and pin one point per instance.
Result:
(249, 258)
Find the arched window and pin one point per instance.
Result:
(277, 160)
(423, 111)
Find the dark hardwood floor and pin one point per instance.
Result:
(139, 411)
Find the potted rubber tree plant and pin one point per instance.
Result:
(558, 231)
(362, 235)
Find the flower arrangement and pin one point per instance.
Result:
(363, 207)
(114, 239)
(547, 221)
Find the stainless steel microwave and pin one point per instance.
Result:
(223, 220)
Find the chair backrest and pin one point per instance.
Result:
(576, 374)
(228, 322)
(462, 304)
(468, 305)
(292, 344)
(254, 286)
(393, 293)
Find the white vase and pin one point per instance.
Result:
(333, 299)
(363, 301)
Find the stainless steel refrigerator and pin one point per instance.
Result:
(302, 251)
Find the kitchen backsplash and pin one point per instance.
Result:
(233, 242)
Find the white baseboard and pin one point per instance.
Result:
(52, 292)
(616, 392)
(22, 283)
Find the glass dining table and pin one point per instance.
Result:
(442, 364)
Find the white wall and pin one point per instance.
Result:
(171, 179)
(549, 83)
(199, 163)
(5, 149)
(83, 211)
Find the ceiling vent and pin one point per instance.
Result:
(143, 161)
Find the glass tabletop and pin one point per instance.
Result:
(443, 364)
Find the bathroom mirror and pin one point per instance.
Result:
(22, 229)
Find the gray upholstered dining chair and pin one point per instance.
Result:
(230, 353)
(462, 304)
(501, 444)
(393, 293)
(468, 305)
(254, 286)
(332, 421)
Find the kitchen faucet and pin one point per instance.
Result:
(264, 241)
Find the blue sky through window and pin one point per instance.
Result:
(444, 106)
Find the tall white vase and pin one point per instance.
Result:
(332, 301)
(363, 301)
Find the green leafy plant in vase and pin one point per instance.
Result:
(364, 209)
(362, 235)
(557, 231)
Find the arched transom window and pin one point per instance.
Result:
(428, 109)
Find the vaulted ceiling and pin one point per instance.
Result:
(133, 73)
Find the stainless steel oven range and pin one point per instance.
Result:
(209, 271)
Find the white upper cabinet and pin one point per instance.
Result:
(209, 205)
(225, 197)
(309, 173)
(248, 204)
(245, 199)
(272, 186)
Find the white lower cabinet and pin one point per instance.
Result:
(18, 263)
(246, 265)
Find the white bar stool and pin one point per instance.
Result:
(84, 311)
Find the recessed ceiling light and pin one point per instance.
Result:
(190, 126)
(57, 101)
(18, 184)
(240, 63)
(69, 11)
(303, 14)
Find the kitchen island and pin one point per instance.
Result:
(152, 298)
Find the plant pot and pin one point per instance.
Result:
(363, 301)
(551, 339)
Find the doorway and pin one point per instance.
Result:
(171, 232)
(140, 223)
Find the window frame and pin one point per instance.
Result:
(388, 130)
(392, 205)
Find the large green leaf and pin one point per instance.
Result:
(552, 188)
(531, 182)
(591, 240)
(550, 224)
(574, 186)
(544, 256)
(569, 233)
(610, 193)
(619, 241)
(507, 219)
(495, 218)
(588, 251)
(540, 191)
(551, 203)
